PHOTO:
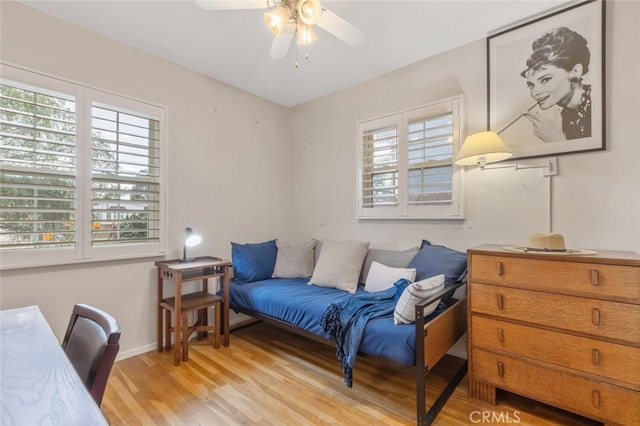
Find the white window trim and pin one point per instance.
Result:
(83, 252)
(456, 211)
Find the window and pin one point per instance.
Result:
(405, 164)
(81, 173)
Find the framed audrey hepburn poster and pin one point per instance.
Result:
(546, 82)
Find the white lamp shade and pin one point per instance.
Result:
(306, 35)
(482, 148)
(309, 11)
(277, 19)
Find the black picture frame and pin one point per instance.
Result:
(545, 104)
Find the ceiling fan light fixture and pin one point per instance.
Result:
(306, 35)
(277, 19)
(309, 11)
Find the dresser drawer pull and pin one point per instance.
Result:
(595, 278)
(595, 316)
(500, 268)
(596, 398)
(595, 356)
(500, 369)
(500, 300)
(500, 335)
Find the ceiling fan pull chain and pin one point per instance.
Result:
(306, 55)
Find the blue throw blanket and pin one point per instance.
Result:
(344, 321)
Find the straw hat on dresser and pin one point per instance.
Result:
(549, 243)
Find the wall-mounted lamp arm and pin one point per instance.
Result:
(550, 166)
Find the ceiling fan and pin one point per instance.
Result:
(288, 18)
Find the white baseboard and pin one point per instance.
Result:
(235, 320)
(458, 350)
(137, 351)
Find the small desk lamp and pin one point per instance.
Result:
(190, 240)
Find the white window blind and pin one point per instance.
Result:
(406, 165)
(81, 173)
(430, 154)
(125, 174)
(38, 183)
(380, 167)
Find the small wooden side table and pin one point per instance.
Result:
(200, 268)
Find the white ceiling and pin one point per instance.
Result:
(233, 45)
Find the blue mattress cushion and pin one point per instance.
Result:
(293, 301)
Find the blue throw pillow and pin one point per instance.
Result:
(253, 262)
(425, 243)
(435, 260)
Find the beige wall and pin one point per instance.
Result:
(595, 200)
(271, 172)
(227, 176)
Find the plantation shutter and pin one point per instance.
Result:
(380, 167)
(38, 174)
(406, 168)
(125, 177)
(430, 158)
(81, 173)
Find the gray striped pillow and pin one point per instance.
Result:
(405, 312)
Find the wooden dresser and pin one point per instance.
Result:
(560, 329)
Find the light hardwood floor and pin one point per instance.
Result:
(273, 377)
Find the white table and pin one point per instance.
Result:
(38, 384)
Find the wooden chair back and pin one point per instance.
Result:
(91, 343)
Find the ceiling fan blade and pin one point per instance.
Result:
(232, 4)
(281, 43)
(340, 28)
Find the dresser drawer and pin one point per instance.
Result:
(614, 282)
(607, 360)
(610, 403)
(601, 318)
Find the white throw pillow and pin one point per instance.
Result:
(382, 277)
(294, 260)
(339, 264)
(405, 312)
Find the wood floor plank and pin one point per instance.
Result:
(272, 377)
